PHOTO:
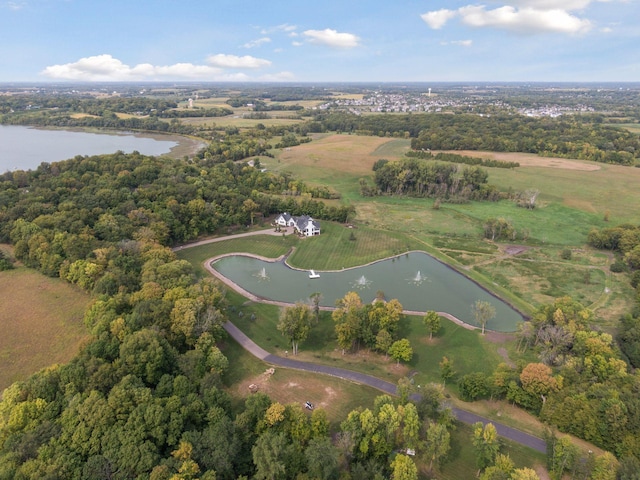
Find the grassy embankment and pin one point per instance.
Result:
(41, 322)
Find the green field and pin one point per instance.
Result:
(41, 319)
(574, 197)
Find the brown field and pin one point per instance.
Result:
(344, 153)
(532, 160)
(41, 322)
(337, 397)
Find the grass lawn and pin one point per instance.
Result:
(41, 320)
(469, 351)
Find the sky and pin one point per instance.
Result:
(320, 41)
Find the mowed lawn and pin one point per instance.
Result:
(41, 323)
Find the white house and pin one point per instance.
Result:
(304, 225)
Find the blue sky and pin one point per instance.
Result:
(320, 41)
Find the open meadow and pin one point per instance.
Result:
(575, 196)
(41, 319)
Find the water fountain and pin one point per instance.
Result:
(262, 274)
(362, 282)
(418, 277)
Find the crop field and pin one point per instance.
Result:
(41, 320)
(240, 122)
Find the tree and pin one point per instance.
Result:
(401, 350)
(473, 386)
(403, 468)
(483, 312)
(604, 467)
(294, 324)
(524, 474)
(501, 470)
(348, 319)
(315, 302)
(563, 455)
(485, 440)
(250, 207)
(437, 445)
(432, 322)
(446, 369)
(269, 454)
(384, 340)
(322, 459)
(537, 381)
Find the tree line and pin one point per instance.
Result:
(568, 137)
(421, 178)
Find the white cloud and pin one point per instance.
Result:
(332, 38)
(285, 27)
(438, 18)
(233, 61)
(527, 16)
(525, 20)
(297, 44)
(15, 6)
(257, 42)
(106, 68)
(463, 43)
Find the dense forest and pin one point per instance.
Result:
(144, 397)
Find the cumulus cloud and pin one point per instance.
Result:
(233, 61)
(526, 20)
(438, 18)
(257, 42)
(332, 38)
(521, 16)
(463, 43)
(106, 68)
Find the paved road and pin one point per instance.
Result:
(361, 378)
(387, 387)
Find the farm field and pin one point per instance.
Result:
(41, 319)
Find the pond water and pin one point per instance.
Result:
(417, 280)
(25, 148)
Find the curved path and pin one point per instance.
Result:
(387, 387)
(360, 378)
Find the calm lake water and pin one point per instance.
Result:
(25, 148)
(417, 280)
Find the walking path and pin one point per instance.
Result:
(361, 378)
(387, 387)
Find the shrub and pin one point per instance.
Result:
(565, 254)
(618, 266)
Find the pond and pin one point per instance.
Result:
(25, 148)
(417, 280)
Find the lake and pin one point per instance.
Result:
(25, 148)
(417, 280)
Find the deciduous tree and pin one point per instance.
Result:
(294, 324)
